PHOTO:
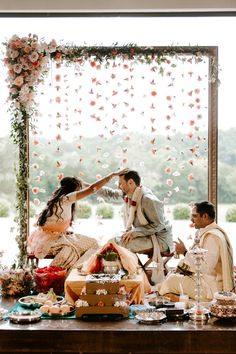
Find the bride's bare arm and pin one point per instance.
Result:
(94, 187)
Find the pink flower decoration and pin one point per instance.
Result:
(169, 182)
(58, 77)
(35, 190)
(190, 177)
(58, 137)
(168, 170)
(60, 176)
(36, 201)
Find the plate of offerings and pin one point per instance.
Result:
(224, 305)
(3, 313)
(36, 301)
(150, 317)
(57, 310)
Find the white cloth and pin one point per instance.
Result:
(133, 206)
(144, 216)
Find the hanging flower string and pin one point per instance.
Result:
(27, 60)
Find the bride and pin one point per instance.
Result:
(52, 235)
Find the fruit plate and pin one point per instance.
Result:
(34, 301)
(223, 316)
(58, 315)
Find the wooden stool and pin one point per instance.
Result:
(149, 252)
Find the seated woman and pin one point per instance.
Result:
(52, 235)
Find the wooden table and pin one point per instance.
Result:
(75, 283)
(121, 337)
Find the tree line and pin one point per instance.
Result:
(174, 167)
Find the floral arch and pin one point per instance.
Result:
(28, 62)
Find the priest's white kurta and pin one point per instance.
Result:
(217, 269)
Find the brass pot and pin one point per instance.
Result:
(110, 267)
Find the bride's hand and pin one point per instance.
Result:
(121, 172)
(84, 183)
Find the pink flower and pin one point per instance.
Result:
(58, 78)
(58, 137)
(36, 201)
(19, 81)
(17, 68)
(190, 177)
(60, 176)
(35, 190)
(168, 170)
(169, 182)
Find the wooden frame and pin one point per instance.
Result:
(108, 53)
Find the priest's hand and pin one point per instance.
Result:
(180, 247)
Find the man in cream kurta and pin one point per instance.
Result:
(217, 268)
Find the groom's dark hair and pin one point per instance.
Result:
(131, 174)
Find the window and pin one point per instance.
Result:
(148, 36)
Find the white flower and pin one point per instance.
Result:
(33, 57)
(17, 68)
(35, 165)
(52, 46)
(19, 80)
(101, 292)
(19, 117)
(120, 304)
(13, 54)
(81, 303)
(36, 201)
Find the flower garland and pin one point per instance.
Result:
(27, 60)
(16, 282)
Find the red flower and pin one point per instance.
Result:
(93, 64)
(58, 56)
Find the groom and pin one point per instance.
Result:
(145, 224)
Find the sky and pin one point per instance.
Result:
(203, 31)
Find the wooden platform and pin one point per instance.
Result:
(119, 337)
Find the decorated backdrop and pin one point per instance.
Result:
(62, 95)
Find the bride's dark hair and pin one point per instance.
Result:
(67, 185)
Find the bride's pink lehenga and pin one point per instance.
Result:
(54, 239)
